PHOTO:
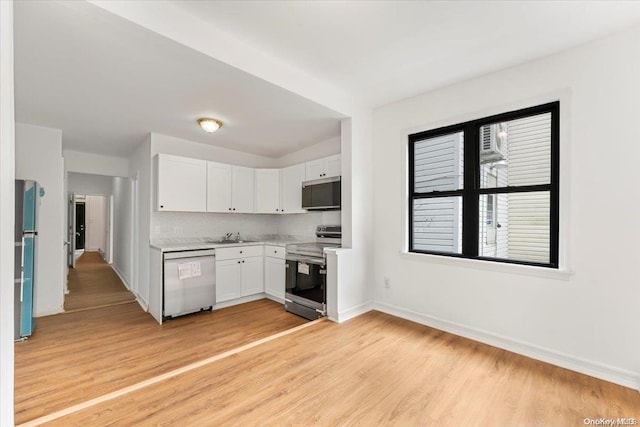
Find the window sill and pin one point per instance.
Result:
(500, 267)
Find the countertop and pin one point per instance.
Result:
(190, 246)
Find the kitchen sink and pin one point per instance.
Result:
(225, 242)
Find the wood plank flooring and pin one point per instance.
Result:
(74, 357)
(93, 283)
(373, 370)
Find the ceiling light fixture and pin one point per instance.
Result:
(209, 125)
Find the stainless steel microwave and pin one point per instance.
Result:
(322, 194)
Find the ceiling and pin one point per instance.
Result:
(383, 51)
(107, 82)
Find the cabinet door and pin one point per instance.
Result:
(274, 276)
(218, 187)
(228, 280)
(243, 189)
(181, 184)
(333, 165)
(291, 189)
(252, 276)
(267, 190)
(315, 169)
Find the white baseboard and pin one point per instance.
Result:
(121, 276)
(567, 361)
(50, 312)
(274, 298)
(352, 312)
(237, 301)
(142, 303)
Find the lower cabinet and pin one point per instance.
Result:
(241, 276)
(274, 271)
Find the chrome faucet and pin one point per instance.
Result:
(228, 236)
(238, 236)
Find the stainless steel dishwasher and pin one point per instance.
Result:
(189, 283)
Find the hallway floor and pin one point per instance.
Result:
(93, 283)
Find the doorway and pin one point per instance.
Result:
(80, 225)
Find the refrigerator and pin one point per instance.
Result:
(26, 234)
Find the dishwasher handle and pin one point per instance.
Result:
(189, 254)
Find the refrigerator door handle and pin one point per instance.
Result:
(22, 272)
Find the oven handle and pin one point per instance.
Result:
(307, 260)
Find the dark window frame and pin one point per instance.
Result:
(472, 190)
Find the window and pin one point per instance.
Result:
(488, 188)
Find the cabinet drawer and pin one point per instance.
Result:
(274, 251)
(239, 252)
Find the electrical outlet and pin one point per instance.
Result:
(387, 282)
(178, 230)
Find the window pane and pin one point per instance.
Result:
(517, 152)
(437, 224)
(519, 229)
(438, 163)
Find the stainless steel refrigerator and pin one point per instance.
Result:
(26, 234)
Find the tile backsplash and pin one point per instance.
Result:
(178, 226)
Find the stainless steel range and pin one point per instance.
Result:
(306, 280)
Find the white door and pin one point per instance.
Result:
(333, 165)
(218, 187)
(243, 189)
(252, 276)
(315, 169)
(291, 189)
(267, 190)
(182, 184)
(228, 279)
(274, 276)
(71, 236)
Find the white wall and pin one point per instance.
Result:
(140, 170)
(122, 228)
(325, 148)
(96, 224)
(96, 164)
(39, 157)
(588, 322)
(85, 183)
(7, 195)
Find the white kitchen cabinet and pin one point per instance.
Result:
(268, 190)
(218, 187)
(252, 276)
(274, 271)
(228, 280)
(239, 272)
(229, 188)
(181, 184)
(326, 167)
(242, 189)
(291, 188)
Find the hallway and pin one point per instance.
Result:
(93, 283)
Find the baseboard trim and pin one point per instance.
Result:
(354, 311)
(142, 303)
(274, 298)
(240, 300)
(121, 276)
(594, 369)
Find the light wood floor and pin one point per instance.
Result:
(93, 283)
(372, 370)
(74, 357)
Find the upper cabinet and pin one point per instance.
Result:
(191, 185)
(181, 184)
(229, 188)
(291, 188)
(268, 190)
(324, 168)
(242, 189)
(218, 187)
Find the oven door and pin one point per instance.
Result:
(306, 280)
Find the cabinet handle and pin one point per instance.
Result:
(277, 210)
(229, 208)
(240, 251)
(234, 209)
(162, 206)
(275, 252)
